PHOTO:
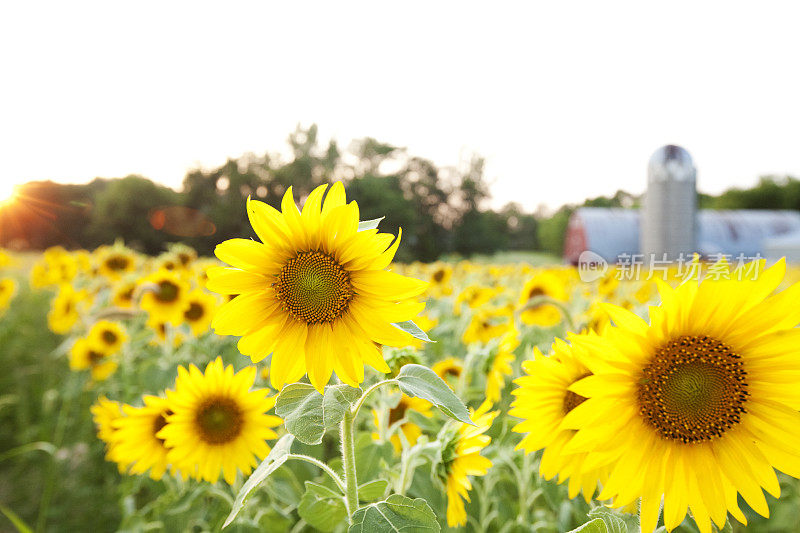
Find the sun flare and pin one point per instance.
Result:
(8, 193)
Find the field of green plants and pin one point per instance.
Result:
(72, 458)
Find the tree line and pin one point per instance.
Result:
(442, 210)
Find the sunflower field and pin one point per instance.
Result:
(304, 382)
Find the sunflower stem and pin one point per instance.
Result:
(524, 476)
(349, 462)
(368, 392)
(546, 300)
(322, 466)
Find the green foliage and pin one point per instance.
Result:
(277, 456)
(396, 513)
(413, 330)
(307, 414)
(553, 229)
(372, 490)
(613, 521)
(322, 507)
(592, 526)
(421, 381)
(123, 209)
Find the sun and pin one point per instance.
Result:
(8, 193)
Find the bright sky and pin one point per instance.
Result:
(565, 101)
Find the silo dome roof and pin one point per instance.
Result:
(671, 163)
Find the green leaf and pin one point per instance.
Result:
(372, 490)
(370, 456)
(417, 380)
(307, 414)
(277, 456)
(300, 406)
(614, 523)
(593, 526)
(322, 507)
(21, 526)
(336, 401)
(413, 330)
(369, 224)
(396, 513)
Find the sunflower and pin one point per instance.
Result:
(122, 294)
(440, 277)
(698, 405)
(115, 261)
(136, 448)
(596, 318)
(200, 269)
(164, 297)
(87, 355)
(107, 336)
(461, 457)
(218, 424)
(546, 284)
(607, 285)
(542, 401)
(66, 308)
(200, 311)
(314, 292)
(8, 288)
(104, 413)
(500, 365)
(488, 324)
(56, 267)
(398, 415)
(474, 296)
(449, 369)
(160, 329)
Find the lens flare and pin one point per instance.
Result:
(8, 193)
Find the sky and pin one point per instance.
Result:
(565, 100)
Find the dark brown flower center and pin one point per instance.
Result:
(95, 357)
(109, 337)
(438, 276)
(159, 423)
(219, 420)
(195, 312)
(397, 413)
(535, 291)
(117, 262)
(693, 389)
(167, 291)
(452, 370)
(314, 288)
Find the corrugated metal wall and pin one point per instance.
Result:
(611, 232)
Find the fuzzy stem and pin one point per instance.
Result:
(349, 462)
(322, 466)
(525, 478)
(368, 392)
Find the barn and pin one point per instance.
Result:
(612, 232)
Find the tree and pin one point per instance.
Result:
(123, 209)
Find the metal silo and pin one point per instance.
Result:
(669, 217)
